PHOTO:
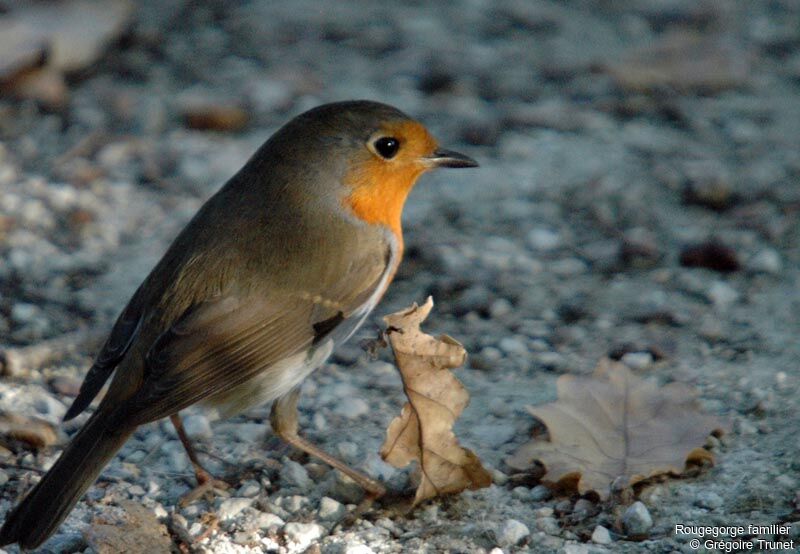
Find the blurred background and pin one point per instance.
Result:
(638, 192)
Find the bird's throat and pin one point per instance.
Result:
(379, 194)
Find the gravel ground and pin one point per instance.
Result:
(571, 242)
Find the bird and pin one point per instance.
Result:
(278, 268)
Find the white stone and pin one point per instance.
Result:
(303, 534)
(348, 450)
(722, 294)
(357, 548)
(708, 500)
(600, 535)
(544, 239)
(330, 509)
(231, 507)
(637, 520)
(549, 525)
(351, 408)
(766, 261)
(637, 360)
(512, 532)
(500, 307)
(197, 427)
(294, 503)
(513, 345)
(249, 489)
(295, 475)
(268, 522)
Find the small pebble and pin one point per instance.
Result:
(637, 520)
(522, 493)
(708, 500)
(303, 534)
(583, 507)
(500, 308)
(722, 295)
(330, 509)
(498, 477)
(351, 408)
(513, 345)
(268, 522)
(295, 475)
(544, 239)
(548, 525)
(231, 507)
(637, 360)
(249, 489)
(540, 492)
(250, 432)
(600, 535)
(357, 548)
(294, 503)
(512, 532)
(348, 450)
(197, 427)
(766, 261)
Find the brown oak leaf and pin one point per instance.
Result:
(616, 425)
(423, 431)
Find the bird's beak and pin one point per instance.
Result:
(449, 158)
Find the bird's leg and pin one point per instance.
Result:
(206, 482)
(283, 419)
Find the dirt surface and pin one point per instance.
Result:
(638, 193)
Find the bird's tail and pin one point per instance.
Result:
(52, 499)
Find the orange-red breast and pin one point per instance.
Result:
(275, 270)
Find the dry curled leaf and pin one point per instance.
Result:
(40, 41)
(617, 425)
(423, 431)
(33, 432)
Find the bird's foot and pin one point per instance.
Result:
(207, 485)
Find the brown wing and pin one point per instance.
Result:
(225, 342)
(122, 335)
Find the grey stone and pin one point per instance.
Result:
(294, 503)
(600, 535)
(231, 507)
(722, 295)
(197, 427)
(351, 408)
(348, 450)
(709, 500)
(249, 489)
(268, 522)
(512, 532)
(295, 475)
(540, 493)
(548, 525)
(637, 360)
(303, 534)
(637, 520)
(522, 493)
(330, 509)
(766, 261)
(544, 239)
(513, 345)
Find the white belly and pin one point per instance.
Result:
(269, 384)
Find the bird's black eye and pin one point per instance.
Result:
(387, 147)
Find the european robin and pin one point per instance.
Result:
(279, 267)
